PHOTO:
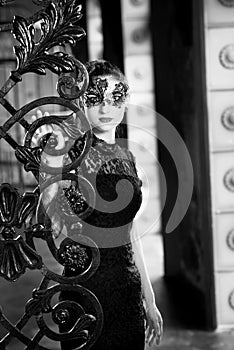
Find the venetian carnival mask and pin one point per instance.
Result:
(97, 93)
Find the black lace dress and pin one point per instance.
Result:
(116, 283)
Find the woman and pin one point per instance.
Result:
(121, 280)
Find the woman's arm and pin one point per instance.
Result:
(140, 262)
(46, 203)
(154, 319)
(47, 200)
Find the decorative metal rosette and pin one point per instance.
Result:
(229, 180)
(79, 253)
(73, 255)
(31, 156)
(226, 56)
(231, 299)
(227, 118)
(230, 240)
(139, 35)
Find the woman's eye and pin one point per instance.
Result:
(92, 98)
(117, 96)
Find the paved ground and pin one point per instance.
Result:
(176, 337)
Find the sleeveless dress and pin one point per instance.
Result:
(116, 283)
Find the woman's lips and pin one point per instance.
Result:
(105, 120)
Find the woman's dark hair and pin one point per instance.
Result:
(101, 67)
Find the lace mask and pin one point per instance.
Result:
(96, 93)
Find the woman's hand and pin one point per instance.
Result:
(48, 196)
(154, 325)
(43, 130)
(53, 130)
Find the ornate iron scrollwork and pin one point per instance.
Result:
(20, 224)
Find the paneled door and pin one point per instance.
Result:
(178, 28)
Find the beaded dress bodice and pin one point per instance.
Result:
(111, 171)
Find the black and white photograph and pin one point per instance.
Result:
(116, 174)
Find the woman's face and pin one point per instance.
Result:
(105, 102)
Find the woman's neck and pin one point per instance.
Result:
(107, 136)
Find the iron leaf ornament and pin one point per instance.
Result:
(31, 158)
(58, 27)
(15, 254)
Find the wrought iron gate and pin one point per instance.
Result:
(20, 227)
